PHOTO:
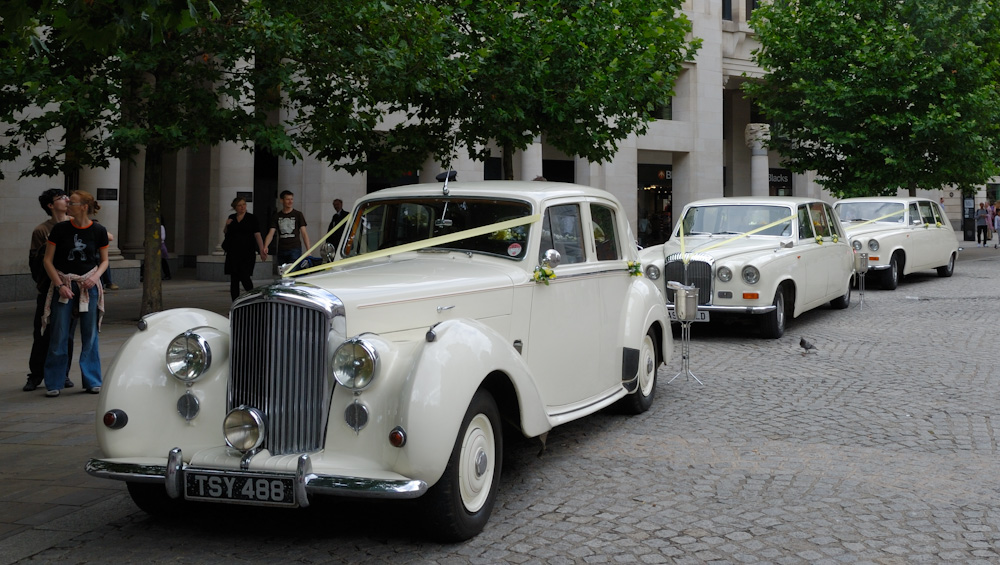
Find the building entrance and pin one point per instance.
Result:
(653, 201)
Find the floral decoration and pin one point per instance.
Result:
(543, 274)
(938, 224)
(635, 268)
(819, 239)
(835, 238)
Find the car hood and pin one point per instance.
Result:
(417, 290)
(700, 245)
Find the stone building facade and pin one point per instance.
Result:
(708, 143)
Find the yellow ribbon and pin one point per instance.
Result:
(686, 259)
(319, 242)
(440, 240)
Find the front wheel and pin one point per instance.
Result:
(152, 498)
(459, 504)
(890, 277)
(949, 269)
(772, 324)
(640, 400)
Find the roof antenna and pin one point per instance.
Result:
(450, 174)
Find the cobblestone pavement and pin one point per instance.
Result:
(878, 448)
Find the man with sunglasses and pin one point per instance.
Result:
(55, 203)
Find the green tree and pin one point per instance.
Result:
(586, 74)
(114, 78)
(878, 95)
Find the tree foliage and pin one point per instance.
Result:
(585, 74)
(878, 95)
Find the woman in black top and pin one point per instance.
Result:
(242, 242)
(76, 255)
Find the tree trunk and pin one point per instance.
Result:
(152, 292)
(507, 156)
(913, 189)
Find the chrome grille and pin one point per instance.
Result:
(278, 364)
(698, 274)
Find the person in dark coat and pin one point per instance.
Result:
(241, 244)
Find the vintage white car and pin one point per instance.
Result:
(766, 257)
(450, 309)
(901, 235)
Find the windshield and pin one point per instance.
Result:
(882, 212)
(380, 224)
(735, 220)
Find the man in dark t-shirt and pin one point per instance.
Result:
(290, 226)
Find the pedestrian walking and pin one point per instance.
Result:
(996, 229)
(338, 214)
(982, 225)
(54, 202)
(290, 227)
(76, 255)
(242, 241)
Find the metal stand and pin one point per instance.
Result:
(686, 354)
(861, 267)
(861, 291)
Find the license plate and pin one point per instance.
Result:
(700, 316)
(241, 488)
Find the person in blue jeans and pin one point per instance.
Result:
(76, 255)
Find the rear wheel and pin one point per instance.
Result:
(949, 269)
(891, 276)
(844, 301)
(772, 324)
(459, 505)
(640, 400)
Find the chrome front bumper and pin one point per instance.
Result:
(171, 474)
(731, 309)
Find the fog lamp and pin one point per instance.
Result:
(244, 428)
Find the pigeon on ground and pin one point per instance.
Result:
(806, 346)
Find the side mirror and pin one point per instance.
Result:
(552, 258)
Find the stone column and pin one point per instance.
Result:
(756, 137)
(531, 160)
(235, 175)
(104, 185)
(130, 195)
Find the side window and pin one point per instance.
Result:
(914, 214)
(805, 224)
(938, 211)
(562, 230)
(605, 235)
(820, 221)
(927, 213)
(831, 218)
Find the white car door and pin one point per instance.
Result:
(564, 333)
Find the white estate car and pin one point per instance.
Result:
(901, 235)
(387, 373)
(767, 257)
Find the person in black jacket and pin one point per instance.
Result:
(241, 244)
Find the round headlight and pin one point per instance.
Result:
(188, 357)
(243, 428)
(873, 245)
(856, 244)
(751, 275)
(355, 363)
(725, 274)
(652, 272)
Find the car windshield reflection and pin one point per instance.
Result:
(737, 220)
(881, 212)
(382, 224)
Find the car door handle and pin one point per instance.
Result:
(443, 308)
